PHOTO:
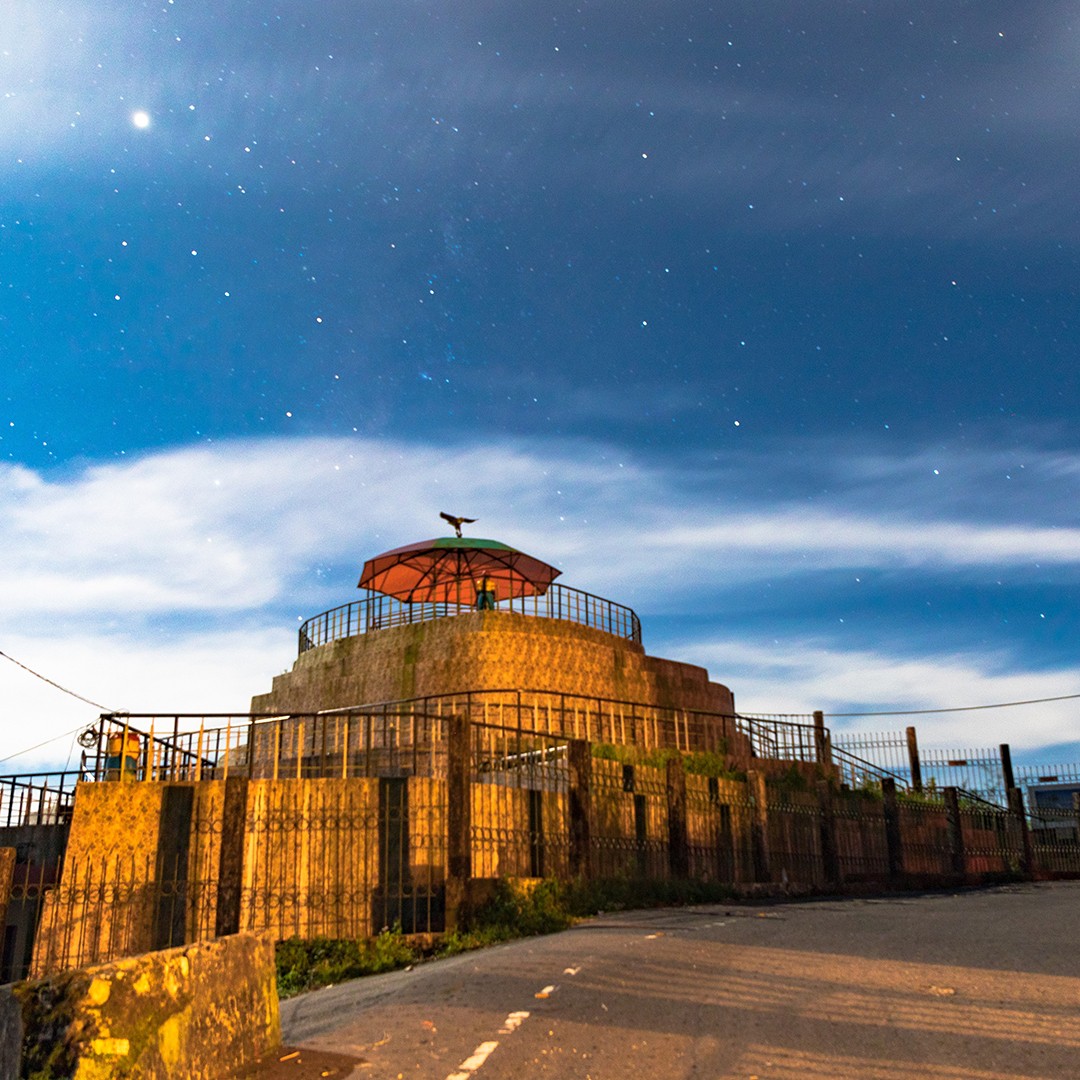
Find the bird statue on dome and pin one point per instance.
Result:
(457, 522)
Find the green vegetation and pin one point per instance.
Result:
(515, 909)
(697, 763)
(582, 898)
(304, 965)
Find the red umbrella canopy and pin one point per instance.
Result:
(455, 570)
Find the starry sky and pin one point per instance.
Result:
(757, 316)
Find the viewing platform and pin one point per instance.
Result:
(377, 611)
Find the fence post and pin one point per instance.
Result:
(830, 856)
(913, 760)
(458, 820)
(1016, 808)
(678, 839)
(579, 760)
(893, 843)
(231, 857)
(1006, 768)
(759, 824)
(822, 750)
(955, 829)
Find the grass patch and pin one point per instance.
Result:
(515, 909)
(304, 965)
(696, 762)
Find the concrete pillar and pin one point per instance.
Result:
(458, 819)
(678, 837)
(759, 824)
(830, 856)
(579, 760)
(955, 829)
(1016, 809)
(893, 840)
(231, 858)
(174, 846)
(7, 879)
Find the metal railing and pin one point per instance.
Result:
(857, 772)
(378, 612)
(408, 737)
(37, 798)
(780, 736)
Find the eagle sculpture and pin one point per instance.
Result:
(457, 522)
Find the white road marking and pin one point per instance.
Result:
(474, 1061)
(513, 1022)
(571, 971)
(546, 992)
(485, 1049)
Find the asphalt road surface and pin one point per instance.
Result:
(977, 985)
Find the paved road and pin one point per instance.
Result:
(981, 985)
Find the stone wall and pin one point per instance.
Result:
(487, 650)
(199, 1012)
(338, 858)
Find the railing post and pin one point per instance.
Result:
(893, 840)
(678, 838)
(579, 764)
(913, 760)
(1007, 768)
(759, 824)
(955, 829)
(458, 820)
(822, 753)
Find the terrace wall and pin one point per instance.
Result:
(487, 648)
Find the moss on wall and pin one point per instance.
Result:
(197, 1012)
(487, 650)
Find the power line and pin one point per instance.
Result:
(55, 738)
(961, 708)
(38, 675)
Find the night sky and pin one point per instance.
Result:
(758, 317)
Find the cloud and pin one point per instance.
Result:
(792, 675)
(939, 139)
(240, 526)
(175, 580)
(200, 671)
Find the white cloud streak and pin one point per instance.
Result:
(161, 582)
(238, 526)
(793, 675)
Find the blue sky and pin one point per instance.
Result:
(759, 317)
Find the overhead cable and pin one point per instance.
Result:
(960, 708)
(38, 675)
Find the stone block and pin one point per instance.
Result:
(197, 1012)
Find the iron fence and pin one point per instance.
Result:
(984, 772)
(408, 737)
(378, 612)
(37, 798)
(857, 772)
